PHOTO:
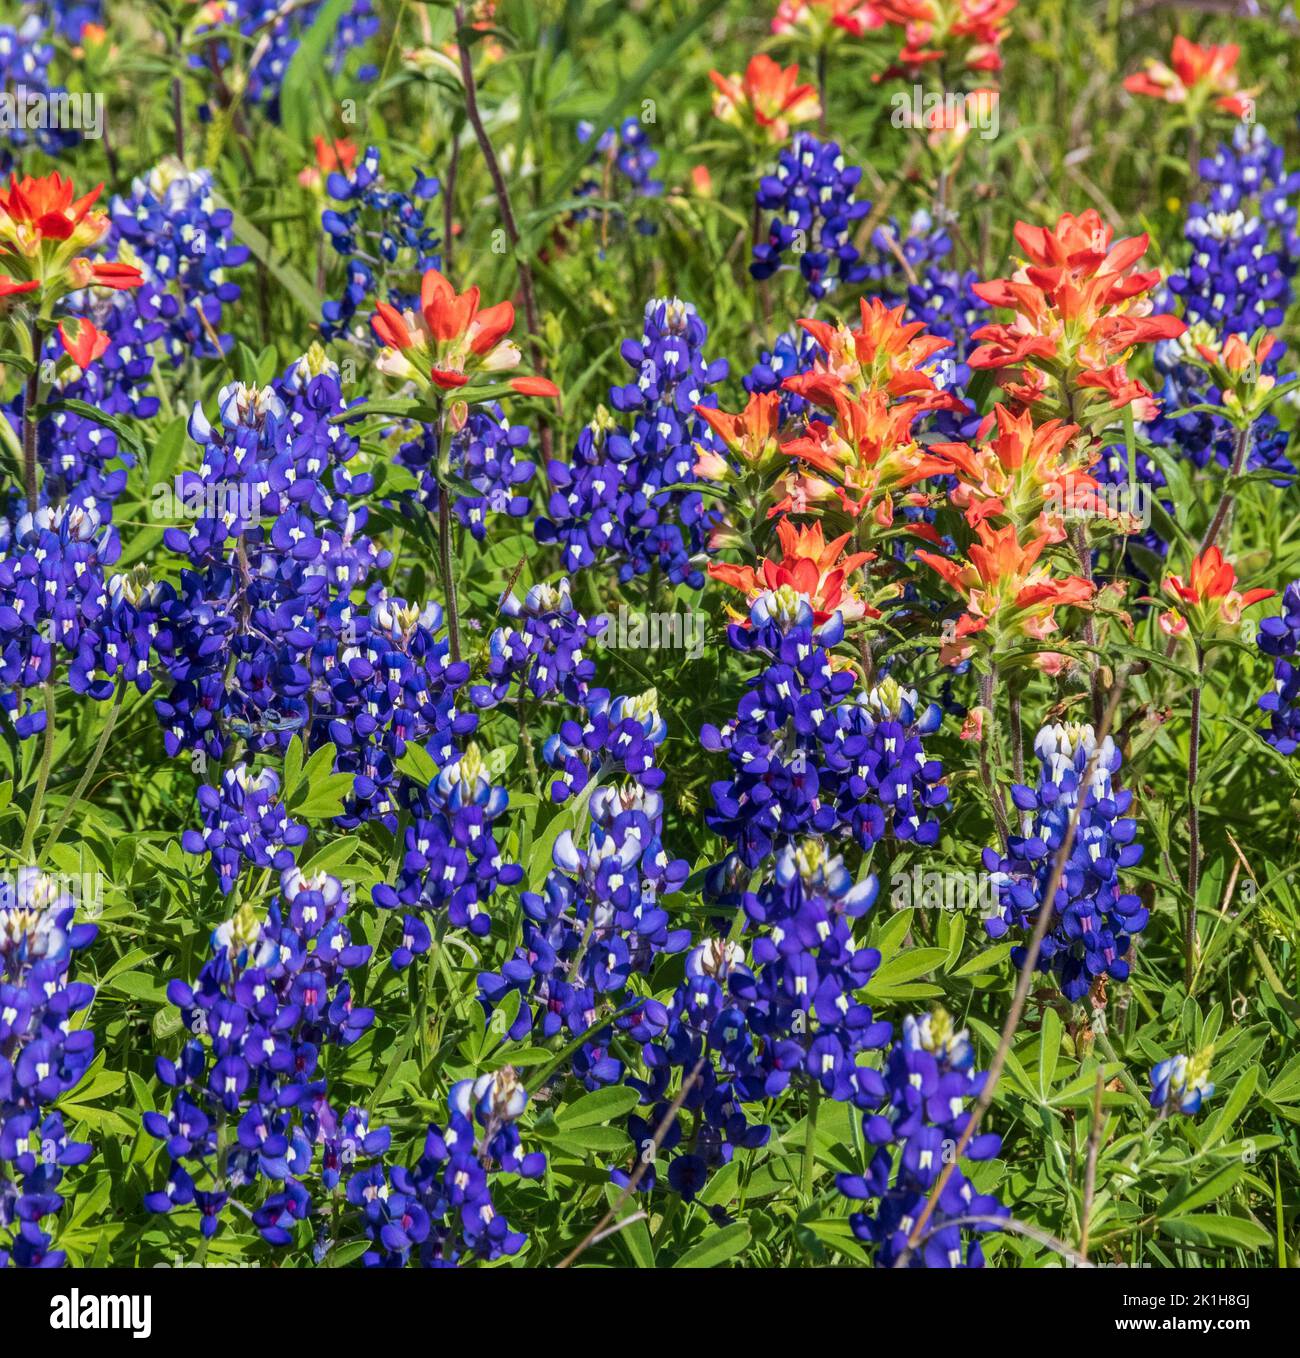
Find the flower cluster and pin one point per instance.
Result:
(1195, 76)
(1279, 637)
(542, 657)
(921, 1098)
(382, 234)
(1093, 919)
(441, 1210)
(274, 31)
(273, 553)
(451, 860)
(170, 226)
(485, 454)
(42, 1057)
(1207, 604)
(626, 162)
(244, 821)
(1239, 279)
(26, 55)
(766, 101)
(810, 197)
(597, 922)
(608, 500)
(1080, 309)
(806, 756)
(271, 996)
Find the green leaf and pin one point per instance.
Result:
(1218, 1185)
(984, 961)
(1232, 1109)
(1049, 1051)
(716, 1249)
(602, 1106)
(1207, 1229)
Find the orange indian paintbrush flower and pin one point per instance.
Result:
(750, 437)
(886, 353)
(1009, 593)
(869, 452)
(1022, 472)
(1207, 603)
(1080, 308)
(1193, 76)
(968, 31)
(767, 99)
(44, 231)
(450, 340)
(811, 566)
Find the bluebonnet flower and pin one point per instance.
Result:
(52, 593)
(383, 236)
(41, 1058)
(597, 922)
(26, 55)
(808, 971)
(746, 1030)
(272, 994)
(793, 353)
(484, 453)
(275, 551)
(806, 757)
(441, 1211)
(542, 656)
(1181, 1084)
(171, 229)
(275, 31)
(1245, 253)
(618, 734)
(1279, 637)
(606, 501)
(921, 1098)
(452, 860)
(1094, 920)
(811, 198)
(244, 821)
(625, 152)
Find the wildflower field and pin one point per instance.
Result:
(649, 633)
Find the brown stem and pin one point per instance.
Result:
(639, 1173)
(1090, 1170)
(448, 207)
(1240, 448)
(502, 191)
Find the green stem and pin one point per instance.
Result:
(43, 776)
(810, 1142)
(31, 399)
(84, 781)
(1193, 825)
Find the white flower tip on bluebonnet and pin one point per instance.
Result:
(716, 958)
(937, 1033)
(890, 701)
